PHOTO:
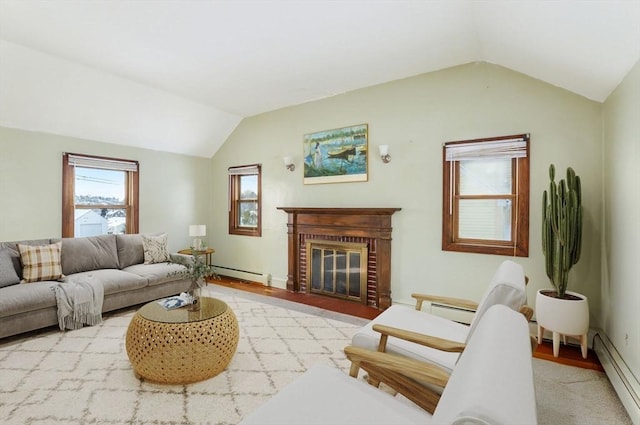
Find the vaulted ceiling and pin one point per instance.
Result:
(179, 76)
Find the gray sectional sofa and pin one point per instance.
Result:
(117, 261)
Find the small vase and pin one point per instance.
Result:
(194, 292)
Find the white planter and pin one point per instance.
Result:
(563, 318)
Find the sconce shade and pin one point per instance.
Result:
(384, 153)
(288, 163)
(197, 230)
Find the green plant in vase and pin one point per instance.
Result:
(561, 228)
(197, 270)
(561, 312)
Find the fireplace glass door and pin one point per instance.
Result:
(337, 269)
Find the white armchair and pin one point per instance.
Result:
(431, 338)
(492, 383)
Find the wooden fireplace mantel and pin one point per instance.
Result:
(372, 223)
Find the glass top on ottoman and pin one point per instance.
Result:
(209, 308)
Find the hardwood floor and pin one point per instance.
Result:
(327, 303)
(569, 354)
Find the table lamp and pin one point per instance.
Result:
(196, 231)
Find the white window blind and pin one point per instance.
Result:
(245, 170)
(489, 149)
(103, 164)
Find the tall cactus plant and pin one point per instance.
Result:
(561, 228)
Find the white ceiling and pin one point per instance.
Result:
(179, 76)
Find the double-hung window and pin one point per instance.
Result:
(99, 195)
(245, 217)
(486, 196)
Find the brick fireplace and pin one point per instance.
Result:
(341, 232)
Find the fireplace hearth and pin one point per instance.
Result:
(341, 252)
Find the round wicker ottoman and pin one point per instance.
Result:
(180, 346)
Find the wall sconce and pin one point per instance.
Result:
(384, 153)
(196, 231)
(288, 163)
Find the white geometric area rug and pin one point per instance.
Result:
(84, 376)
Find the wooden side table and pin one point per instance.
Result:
(206, 252)
(207, 255)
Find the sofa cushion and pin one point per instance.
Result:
(158, 273)
(18, 299)
(41, 263)
(130, 250)
(113, 280)
(155, 249)
(8, 274)
(90, 253)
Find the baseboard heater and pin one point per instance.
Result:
(455, 313)
(622, 379)
(264, 278)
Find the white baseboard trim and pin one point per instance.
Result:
(623, 381)
(265, 278)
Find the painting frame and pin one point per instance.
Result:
(339, 155)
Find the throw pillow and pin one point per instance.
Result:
(8, 275)
(155, 249)
(41, 262)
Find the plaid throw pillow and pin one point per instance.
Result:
(41, 262)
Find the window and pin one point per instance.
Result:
(99, 195)
(486, 196)
(245, 206)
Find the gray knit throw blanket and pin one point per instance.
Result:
(79, 302)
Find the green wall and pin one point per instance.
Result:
(173, 188)
(620, 282)
(415, 116)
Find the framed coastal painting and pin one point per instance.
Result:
(336, 156)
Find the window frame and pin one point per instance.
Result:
(519, 245)
(235, 175)
(132, 183)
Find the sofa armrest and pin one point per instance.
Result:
(180, 258)
(450, 301)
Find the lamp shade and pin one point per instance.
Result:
(197, 230)
(384, 150)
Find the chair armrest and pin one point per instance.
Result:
(411, 368)
(412, 378)
(527, 312)
(455, 302)
(418, 338)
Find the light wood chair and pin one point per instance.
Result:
(492, 383)
(421, 382)
(424, 336)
